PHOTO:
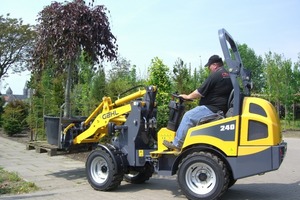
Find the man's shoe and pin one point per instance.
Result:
(170, 145)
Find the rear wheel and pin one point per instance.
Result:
(232, 181)
(102, 172)
(139, 175)
(202, 175)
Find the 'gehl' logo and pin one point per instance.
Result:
(110, 114)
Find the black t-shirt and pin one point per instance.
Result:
(215, 90)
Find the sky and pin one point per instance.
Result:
(185, 29)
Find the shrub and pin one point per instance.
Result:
(14, 117)
(12, 126)
(2, 101)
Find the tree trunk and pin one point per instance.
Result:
(67, 108)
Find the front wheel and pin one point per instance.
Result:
(140, 175)
(202, 175)
(102, 172)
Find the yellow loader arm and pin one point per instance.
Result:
(106, 112)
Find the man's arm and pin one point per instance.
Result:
(193, 95)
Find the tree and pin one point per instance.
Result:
(296, 78)
(67, 29)
(254, 63)
(2, 102)
(160, 77)
(279, 76)
(15, 45)
(182, 77)
(272, 77)
(121, 77)
(46, 99)
(185, 82)
(287, 94)
(81, 91)
(296, 85)
(14, 116)
(99, 85)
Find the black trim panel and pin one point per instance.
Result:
(223, 131)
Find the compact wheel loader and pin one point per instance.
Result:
(221, 149)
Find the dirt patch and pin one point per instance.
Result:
(81, 156)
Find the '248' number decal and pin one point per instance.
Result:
(227, 127)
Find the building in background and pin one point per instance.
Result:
(9, 96)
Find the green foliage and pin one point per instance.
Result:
(51, 92)
(182, 78)
(14, 116)
(290, 124)
(295, 80)
(12, 126)
(99, 85)
(81, 94)
(200, 75)
(122, 77)
(47, 98)
(254, 63)
(92, 85)
(282, 84)
(2, 102)
(15, 45)
(11, 183)
(159, 76)
(277, 75)
(185, 82)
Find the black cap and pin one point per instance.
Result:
(213, 59)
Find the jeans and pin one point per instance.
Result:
(190, 119)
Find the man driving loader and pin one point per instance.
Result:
(213, 94)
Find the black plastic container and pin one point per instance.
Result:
(52, 129)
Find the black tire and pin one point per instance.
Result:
(102, 172)
(231, 182)
(202, 175)
(140, 175)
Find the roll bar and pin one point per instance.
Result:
(236, 69)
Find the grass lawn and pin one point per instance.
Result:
(11, 183)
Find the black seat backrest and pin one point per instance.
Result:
(229, 112)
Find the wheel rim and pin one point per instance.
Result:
(200, 178)
(132, 174)
(99, 170)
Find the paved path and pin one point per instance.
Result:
(60, 177)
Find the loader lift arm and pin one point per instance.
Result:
(96, 125)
